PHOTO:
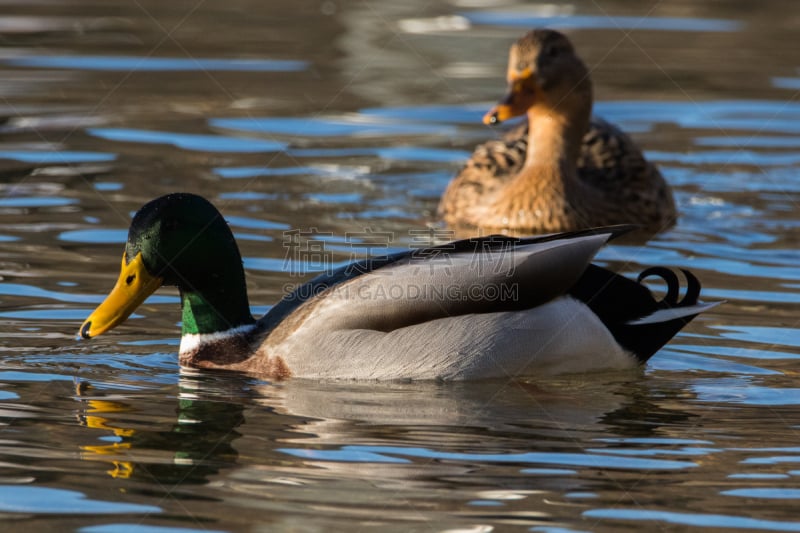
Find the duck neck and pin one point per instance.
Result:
(554, 142)
(214, 295)
(217, 324)
(214, 310)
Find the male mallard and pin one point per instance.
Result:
(490, 307)
(563, 170)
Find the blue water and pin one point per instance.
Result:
(40, 157)
(155, 64)
(22, 499)
(206, 143)
(521, 19)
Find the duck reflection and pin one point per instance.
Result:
(187, 447)
(427, 434)
(422, 436)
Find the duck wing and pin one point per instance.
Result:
(610, 161)
(480, 275)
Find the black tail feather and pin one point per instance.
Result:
(618, 301)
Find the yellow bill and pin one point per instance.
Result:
(133, 287)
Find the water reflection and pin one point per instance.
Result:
(694, 519)
(186, 141)
(356, 126)
(155, 64)
(430, 431)
(188, 449)
(22, 499)
(523, 19)
(56, 156)
(284, 447)
(425, 435)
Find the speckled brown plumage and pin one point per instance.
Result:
(569, 170)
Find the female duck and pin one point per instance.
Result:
(563, 170)
(493, 307)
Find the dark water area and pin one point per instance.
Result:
(346, 119)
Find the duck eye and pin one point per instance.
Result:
(130, 279)
(551, 51)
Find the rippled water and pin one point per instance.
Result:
(350, 118)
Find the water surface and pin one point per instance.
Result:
(346, 121)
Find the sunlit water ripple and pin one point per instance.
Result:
(352, 138)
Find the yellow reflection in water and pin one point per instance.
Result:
(93, 419)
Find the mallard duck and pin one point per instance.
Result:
(489, 307)
(562, 170)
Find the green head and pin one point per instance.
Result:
(179, 239)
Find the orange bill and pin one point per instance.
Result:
(519, 99)
(133, 287)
